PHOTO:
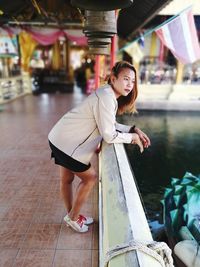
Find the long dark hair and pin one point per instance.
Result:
(125, 103)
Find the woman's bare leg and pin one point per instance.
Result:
(88, 180)
(66, 179)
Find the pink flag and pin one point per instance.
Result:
(180, 36)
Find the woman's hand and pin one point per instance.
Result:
(143, 137)
(136, 140)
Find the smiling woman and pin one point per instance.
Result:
(93, 120)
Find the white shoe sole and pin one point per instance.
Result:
(89, 221)
(70, 223)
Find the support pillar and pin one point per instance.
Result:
(179, 75)
(97, 71)
(113, 46)
(67, 55)
(153, 46)
(113, 50)
(161, 52)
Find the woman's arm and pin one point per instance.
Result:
(122, 127)
(105, 117)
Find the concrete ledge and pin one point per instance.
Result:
(169, 105)
(169, 97)
(154, 91)
(121, 215)
(185, 92)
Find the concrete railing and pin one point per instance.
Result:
(13, 87)
(121, 214)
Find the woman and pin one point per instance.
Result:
(75, 137)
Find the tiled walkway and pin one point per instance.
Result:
(32, 232)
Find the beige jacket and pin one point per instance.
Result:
(79, 131)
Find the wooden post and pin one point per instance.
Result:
(97, 70)
(113, 49)
(161, 52)
(153, 46)
(137, 68)
(113, 46)
(179, 75)
(67, 55)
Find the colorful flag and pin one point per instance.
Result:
(141, 40)
(134, 51)
(180, 36)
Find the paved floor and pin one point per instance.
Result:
(32, 232)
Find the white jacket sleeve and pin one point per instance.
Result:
(122, 127)
(105, 116)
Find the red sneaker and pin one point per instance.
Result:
(86, 220)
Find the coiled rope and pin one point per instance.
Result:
(157, 250)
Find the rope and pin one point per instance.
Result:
(157, 250)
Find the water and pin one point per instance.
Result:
(175, 149)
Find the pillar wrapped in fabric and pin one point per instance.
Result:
(101, 5)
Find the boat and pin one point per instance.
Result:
(181, 216)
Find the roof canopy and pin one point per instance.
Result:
(42, 12)
(132, 19)
(60, 13)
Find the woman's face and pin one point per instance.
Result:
(124, 83)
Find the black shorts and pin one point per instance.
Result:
(66, 161)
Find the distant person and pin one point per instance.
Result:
(81, 78)
(75, 137)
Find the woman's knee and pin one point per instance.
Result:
(66, 180)
(92, 178)
(88, 177)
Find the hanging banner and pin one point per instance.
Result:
(180, 36)
(7, 47)
(27, 47)
(48, 36)
(44, 36)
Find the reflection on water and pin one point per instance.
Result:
(175, 149)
